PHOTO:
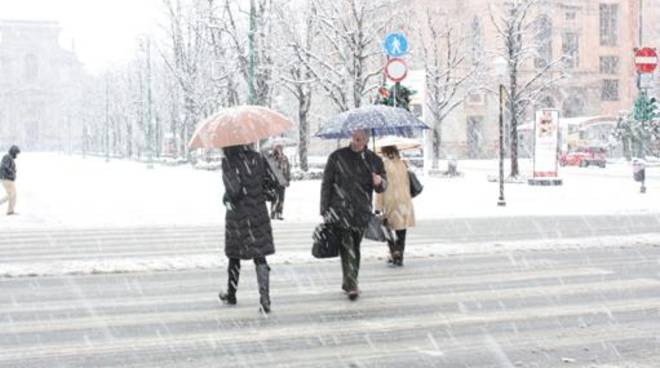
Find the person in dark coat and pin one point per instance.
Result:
(281, 164)
(8, 178)
(351, 175)
(248, 232)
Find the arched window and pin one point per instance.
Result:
(543, 38)
(31, 69)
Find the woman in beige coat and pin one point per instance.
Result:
(396, 203)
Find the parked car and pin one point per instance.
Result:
(585, 156)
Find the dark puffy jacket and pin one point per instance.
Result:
(248, 233)
(347, 188)
(8, 166)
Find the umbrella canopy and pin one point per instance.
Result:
(401, 143)
(239, 125)
(378, 119)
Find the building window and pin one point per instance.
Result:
(571, 49)
(547, 102)
(544, 41)
(610, 90)
(477, 41)
(609, 64)
(573, 106)
(609, 22)
(475, 98)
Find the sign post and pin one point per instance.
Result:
(396, 45)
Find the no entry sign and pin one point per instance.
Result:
(646, 60)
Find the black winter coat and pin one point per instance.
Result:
(8, 166)
(347, 188)
(248, 233)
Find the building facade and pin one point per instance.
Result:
(38, 79)
(593, 39)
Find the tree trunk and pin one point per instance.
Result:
(437, 141)
(302, 137)
(513, 108)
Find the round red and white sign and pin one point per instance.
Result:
(646, 60)
(396, 69)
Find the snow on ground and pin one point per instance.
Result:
(56, 190)
(369, 251)
(59, 191)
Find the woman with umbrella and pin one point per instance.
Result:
(248, 232)
(396, 203)
(246, 178)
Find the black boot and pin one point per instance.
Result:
(400, 247)
(392, 245)
(263, 281)
(233, 273)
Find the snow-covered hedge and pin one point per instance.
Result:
(312, 174)
(208, 165)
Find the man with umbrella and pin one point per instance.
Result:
(351, 175)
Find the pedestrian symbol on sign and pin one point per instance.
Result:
(396, 44)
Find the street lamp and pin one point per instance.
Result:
(500, 69)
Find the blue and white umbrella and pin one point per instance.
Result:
(380, 120)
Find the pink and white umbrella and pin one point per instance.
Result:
(239, 125)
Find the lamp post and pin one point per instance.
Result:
(500, 68)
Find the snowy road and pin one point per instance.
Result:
(52, 251)
(590, 307)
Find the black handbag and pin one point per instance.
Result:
(326, 242)
(416, 186)
(376, 228)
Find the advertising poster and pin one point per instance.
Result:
(546, 140)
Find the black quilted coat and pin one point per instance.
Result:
(248, 233)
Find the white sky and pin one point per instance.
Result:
(105, 31)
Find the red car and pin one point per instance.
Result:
(584, 156)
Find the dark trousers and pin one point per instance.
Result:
(277, 206)
(398, 244)
(349, 252)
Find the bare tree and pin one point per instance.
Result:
(449, 75)
(263, 46)
(301, 34)
(517, 31)
(187, 31)
(351, 56)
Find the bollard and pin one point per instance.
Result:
(639, 173)
(451, 167)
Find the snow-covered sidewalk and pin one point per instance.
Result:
(63, 191)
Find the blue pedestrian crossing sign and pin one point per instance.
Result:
(396, 44)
